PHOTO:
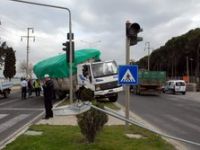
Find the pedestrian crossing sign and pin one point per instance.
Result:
(128, 74)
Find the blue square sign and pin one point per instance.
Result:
(128, 74)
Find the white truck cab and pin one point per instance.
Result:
(101, 78)
(175, 86)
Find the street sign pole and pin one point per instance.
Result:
(127, 87)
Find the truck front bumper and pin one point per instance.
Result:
(108, 92)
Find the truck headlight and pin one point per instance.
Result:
(97, 87)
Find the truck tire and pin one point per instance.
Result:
(5, 93)
(61, 94)
(183, 93)
(113, 98)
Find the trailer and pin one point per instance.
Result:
(150, 82)
(5, 88)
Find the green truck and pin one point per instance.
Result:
(150, 82)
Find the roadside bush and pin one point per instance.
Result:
(85, 94)
(91, 122)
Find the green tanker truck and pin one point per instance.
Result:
(101, 77)
(150, 82)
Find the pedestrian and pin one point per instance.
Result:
(23, 88)
(30, 87)
(37, 87)
(48, 88)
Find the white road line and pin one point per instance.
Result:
(21, 130)
(6, 125)
(183, 122)
(10, 101)
(31, 109)
(166, 125)
(3, 115)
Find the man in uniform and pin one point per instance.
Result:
(48, 88)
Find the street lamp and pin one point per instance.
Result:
(70, 37)
(147, 45)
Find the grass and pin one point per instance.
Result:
(70, 138)
(111, 105)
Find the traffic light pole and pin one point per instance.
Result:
(70, 37)
(127, 87)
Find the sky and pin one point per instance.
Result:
(95, 24)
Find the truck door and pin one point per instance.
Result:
(86, 77)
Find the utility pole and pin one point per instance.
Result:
(27, 47)
(187, 68)
(147, 45)
(197, 68)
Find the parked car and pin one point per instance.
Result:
(175, 86)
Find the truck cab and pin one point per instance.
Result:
(100, 77)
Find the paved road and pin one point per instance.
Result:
(15, 114)
(177, 115)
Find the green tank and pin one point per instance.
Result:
(57, 67)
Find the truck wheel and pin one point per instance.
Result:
(174, 92)
(5, 94)
(113, 98)
(61, 94)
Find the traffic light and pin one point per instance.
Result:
(67, 49)
(132, 30)
(65, 46)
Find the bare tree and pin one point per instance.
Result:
(23, 67)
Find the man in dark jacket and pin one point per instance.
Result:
(48, 88)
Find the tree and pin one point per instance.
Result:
(171, 57)
(10, 61)
(7, 58)
(92, 122)
(23, 68)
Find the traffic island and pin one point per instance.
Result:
(57, 137)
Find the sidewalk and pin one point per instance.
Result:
(72, 120)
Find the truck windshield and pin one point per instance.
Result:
(104, 69)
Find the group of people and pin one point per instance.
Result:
(28, 86)
(48, 91)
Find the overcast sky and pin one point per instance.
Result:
(98, 24)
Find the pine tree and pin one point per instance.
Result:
(10, 61)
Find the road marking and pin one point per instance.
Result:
(29, 109)
(6, 125)
(3, 115)
(10, 101)
(183, 122)
(165, 126)
(21, 130)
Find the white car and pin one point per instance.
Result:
(175, 86)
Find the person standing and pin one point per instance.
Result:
(48, 88)
(23, 87)
(37, 87)
(30, 87)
